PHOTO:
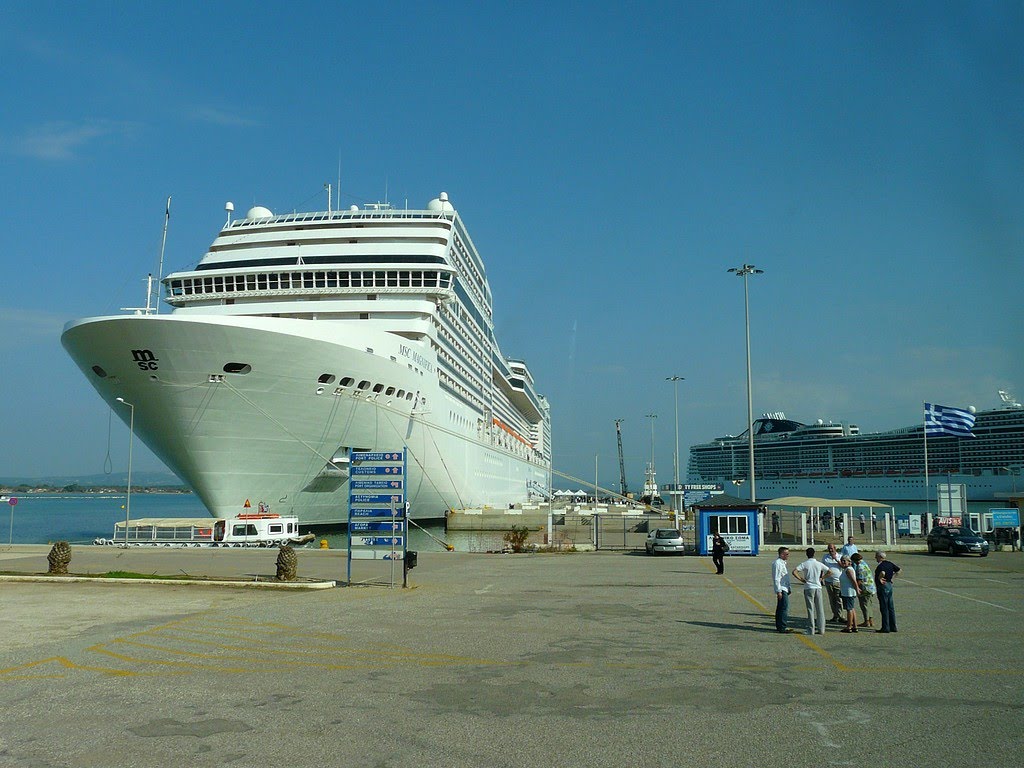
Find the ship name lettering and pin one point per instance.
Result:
(416, 357)
(145, 359)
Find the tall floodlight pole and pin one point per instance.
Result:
(748, 269)
(675, 383)
(131, 439)
(650, 486)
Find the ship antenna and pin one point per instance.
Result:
(160, 271)
(327, 186)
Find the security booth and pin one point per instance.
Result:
(737, 521)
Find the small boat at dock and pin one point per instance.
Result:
(255, 530)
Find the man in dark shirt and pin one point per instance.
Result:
(884, 574)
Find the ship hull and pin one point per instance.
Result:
(989, 487)
(243, 409)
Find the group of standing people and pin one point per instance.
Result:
(846, 580)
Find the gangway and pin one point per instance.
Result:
(532, 486)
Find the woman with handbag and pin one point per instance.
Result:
(719, 547)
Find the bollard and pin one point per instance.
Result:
(324, 544)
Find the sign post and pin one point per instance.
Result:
(12, 503)
(377, 524)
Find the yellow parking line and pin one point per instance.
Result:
(802, 638)
(68, 664)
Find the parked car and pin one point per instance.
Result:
(664, 540)
(956, 540)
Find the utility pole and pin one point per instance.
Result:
(675, 491)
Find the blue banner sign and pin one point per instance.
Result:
(375, 498)
(375, 469)
(386, 526)
(376, 456)
(1005, 518)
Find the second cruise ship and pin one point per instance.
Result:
(838, 461)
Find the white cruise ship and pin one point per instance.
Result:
(301, 338)
(838, 461)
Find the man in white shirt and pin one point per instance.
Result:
(831, 561)
(780, 584)
(811, 574)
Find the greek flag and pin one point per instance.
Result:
(943, 420)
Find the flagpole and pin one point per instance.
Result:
(925, 429)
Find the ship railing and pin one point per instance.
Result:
(361, 214)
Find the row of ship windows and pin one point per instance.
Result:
(347, 382)
(325, 379)
(275, 281)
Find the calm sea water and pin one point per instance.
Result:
(45, 517)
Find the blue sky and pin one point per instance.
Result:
(611, 163)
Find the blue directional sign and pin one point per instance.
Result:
(376, 521)
(397, 484)
(374, 469)
(375, 498)
(377, 541)
(378, 512)
(376, 456)
(387, 526)
(377, 554)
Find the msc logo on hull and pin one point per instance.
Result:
(145, 359)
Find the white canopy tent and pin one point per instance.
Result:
(811, 502)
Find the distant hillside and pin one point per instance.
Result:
(149, 479)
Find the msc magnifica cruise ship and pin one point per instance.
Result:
(303, 337)
(838, 461)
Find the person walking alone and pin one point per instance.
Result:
(780, 583)
(885, 572)
(811, 574)
(718, 550)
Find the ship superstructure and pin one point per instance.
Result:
(300, 338)
(836, 460)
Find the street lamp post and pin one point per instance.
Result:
(675, 383)
(131, 440)
(743, 271)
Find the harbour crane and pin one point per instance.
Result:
(622, 466)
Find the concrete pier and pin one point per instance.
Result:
(594, 660)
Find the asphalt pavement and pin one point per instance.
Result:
(586, 659)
